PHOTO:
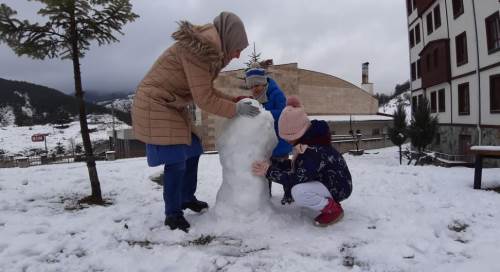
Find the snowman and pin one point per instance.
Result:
(243, 141)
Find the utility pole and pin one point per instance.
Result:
(113, 124)
(45, 140)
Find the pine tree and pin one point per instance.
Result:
(254, 59)
(78, 149)
(423, 127)
(398, 133)
(60, 149)
(71, 27)
(62, 117)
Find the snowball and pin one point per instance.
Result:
(243, 141)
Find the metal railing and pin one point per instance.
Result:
(453, 157)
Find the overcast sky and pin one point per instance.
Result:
(329, 36)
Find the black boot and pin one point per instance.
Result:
(177, 222)
(196, 206)
(287, 197)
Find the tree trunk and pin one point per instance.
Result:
(89, 154)
(400, 156)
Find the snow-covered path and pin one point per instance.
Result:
(399, 218)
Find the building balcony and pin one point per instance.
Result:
(435, 63)
(423, 5)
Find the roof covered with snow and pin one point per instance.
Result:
(355, 118)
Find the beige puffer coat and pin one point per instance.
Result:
(183, 74)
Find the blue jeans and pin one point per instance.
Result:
(179, 185)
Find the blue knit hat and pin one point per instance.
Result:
(255, 76)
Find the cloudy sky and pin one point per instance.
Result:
(330, 36)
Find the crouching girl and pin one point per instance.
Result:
(317, 175)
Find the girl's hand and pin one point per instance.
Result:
(259, 168)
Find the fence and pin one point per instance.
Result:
(344, 143)
(450, 159)
(36, 160)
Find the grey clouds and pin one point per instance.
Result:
(330, 36)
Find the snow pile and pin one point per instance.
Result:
(243, 141)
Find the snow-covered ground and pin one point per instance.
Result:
(399, 218)
(14, 139)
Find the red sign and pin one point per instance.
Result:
(38, 137)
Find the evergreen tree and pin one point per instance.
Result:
(254, 59)
(78, 149)
(60, 150)
(423, 127)
(382, 98)
(71, 27)
(62, 117)
(398, 133)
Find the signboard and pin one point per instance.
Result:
(38, 137)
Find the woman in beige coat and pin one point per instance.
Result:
(183, 75)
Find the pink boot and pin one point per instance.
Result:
(330, 214)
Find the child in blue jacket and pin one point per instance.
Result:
(317, 176)
(268, 93)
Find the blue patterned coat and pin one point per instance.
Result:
(320, 162)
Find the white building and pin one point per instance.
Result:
(455, 64)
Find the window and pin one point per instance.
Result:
(412, 39)
(413, 103)
(493, 32)
(429, 24)
(411, 5)
(461, 47)
(419, 69)
(436, 57)
(417, 34)
(441, 101)
(413, 71)
(376, 131)
(437, 17)
(438, 139)
(495, 94)
(458, 8)
(433, 102)
(463, 99)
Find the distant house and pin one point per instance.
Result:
(455, 64)
(125, 144)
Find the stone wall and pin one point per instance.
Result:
(448, 141)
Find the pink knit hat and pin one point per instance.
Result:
(293, 121)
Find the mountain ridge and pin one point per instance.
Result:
(24, 104)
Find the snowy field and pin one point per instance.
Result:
(399, 218)
(14, 139)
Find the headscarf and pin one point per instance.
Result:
(231, 32)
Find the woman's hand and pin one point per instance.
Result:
(259, 168)
(245, 108)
